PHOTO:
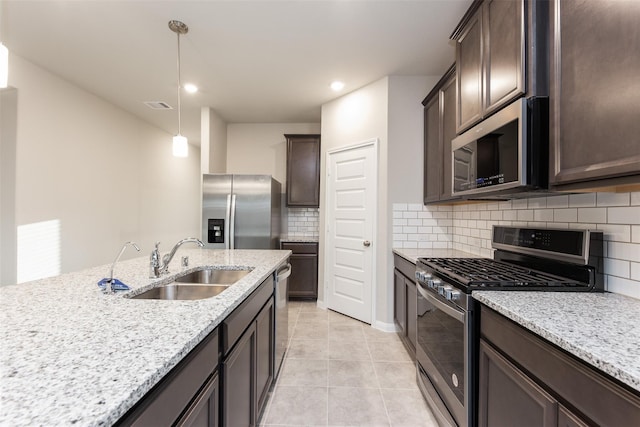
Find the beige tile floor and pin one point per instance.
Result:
(342, 372)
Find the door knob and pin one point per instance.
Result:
(366, 243)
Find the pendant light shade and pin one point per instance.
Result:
(180, 146)
(180, 143)
(4, 66)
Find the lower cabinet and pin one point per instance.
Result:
(204, 412)
(525, 381)
(405, 302)
(225, 380)
(248, 358)
(188, 395)
(303, 282)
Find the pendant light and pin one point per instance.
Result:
(180, 145)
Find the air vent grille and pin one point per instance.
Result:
(158, 105)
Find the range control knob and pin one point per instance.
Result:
(445, 291)
(455, 295)
(438, 286)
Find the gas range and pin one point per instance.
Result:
(525, 259)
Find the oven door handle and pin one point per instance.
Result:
(450, 311)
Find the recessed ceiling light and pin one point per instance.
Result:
(337, 86)
(191, 88)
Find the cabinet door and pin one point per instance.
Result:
(264, 354)
(432, 151)
(469, 73)
(239, 381)
(303, 170)
(504, 52)
(203, 412)
(594, 106)
(303, 282)
(412, 315)
(507, 397)
(568, 419)
(448, 119)
(400, 301)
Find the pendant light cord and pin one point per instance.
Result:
(179, 86)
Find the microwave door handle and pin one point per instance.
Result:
(450, 311)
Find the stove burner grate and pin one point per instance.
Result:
(488, 273)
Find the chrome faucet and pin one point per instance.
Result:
(158, 268)
(108, 288)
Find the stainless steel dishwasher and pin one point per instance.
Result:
(282, 315)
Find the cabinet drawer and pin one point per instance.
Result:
(235, 324)
(300, 248)
(570, 380)
(405, 267)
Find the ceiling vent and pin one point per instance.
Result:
(158, 105)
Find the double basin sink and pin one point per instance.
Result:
(199, 284)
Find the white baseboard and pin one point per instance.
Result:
(321, 305)
(385, 326)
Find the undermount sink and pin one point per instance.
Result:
(213, 276)
(199, 284)
(175, 291)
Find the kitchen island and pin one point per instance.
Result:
(73, 355)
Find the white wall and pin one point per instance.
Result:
(104, 174)
(261, 148)
(213, 142)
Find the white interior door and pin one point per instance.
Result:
(350, 229)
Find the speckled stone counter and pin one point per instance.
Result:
(412, 255)
(288, 239)
(70, 355)
(600, 329)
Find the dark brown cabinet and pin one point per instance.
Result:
(496, 41)
(248, 358)
(405, 302)
(204, 410)
(594, 106)
(185, 396)
(439, 130)
(508, 397)
(524, 380)
(303, 282)
(303, 170)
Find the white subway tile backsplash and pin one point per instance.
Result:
(624, 251)
(558, 201)
(598, 215)
(613, 199)
(565, 215)
(468, 227)
(582, 200)
(303, 222)
(624, 215)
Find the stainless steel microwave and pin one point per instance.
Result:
(506, 155)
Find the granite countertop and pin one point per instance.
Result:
(412, 255)
(72, 355)
(600, 329)
(296, 239)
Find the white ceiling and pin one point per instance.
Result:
(257, 61)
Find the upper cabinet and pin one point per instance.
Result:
(492, 42)
(594, 94)
(439, 130)
(303, 170)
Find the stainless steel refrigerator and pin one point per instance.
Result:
(241, 211)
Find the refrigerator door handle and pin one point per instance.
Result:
(233, 223)
(227, 221)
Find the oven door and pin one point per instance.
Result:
(443, 357)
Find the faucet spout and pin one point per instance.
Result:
(158, 269)
(107, 288)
